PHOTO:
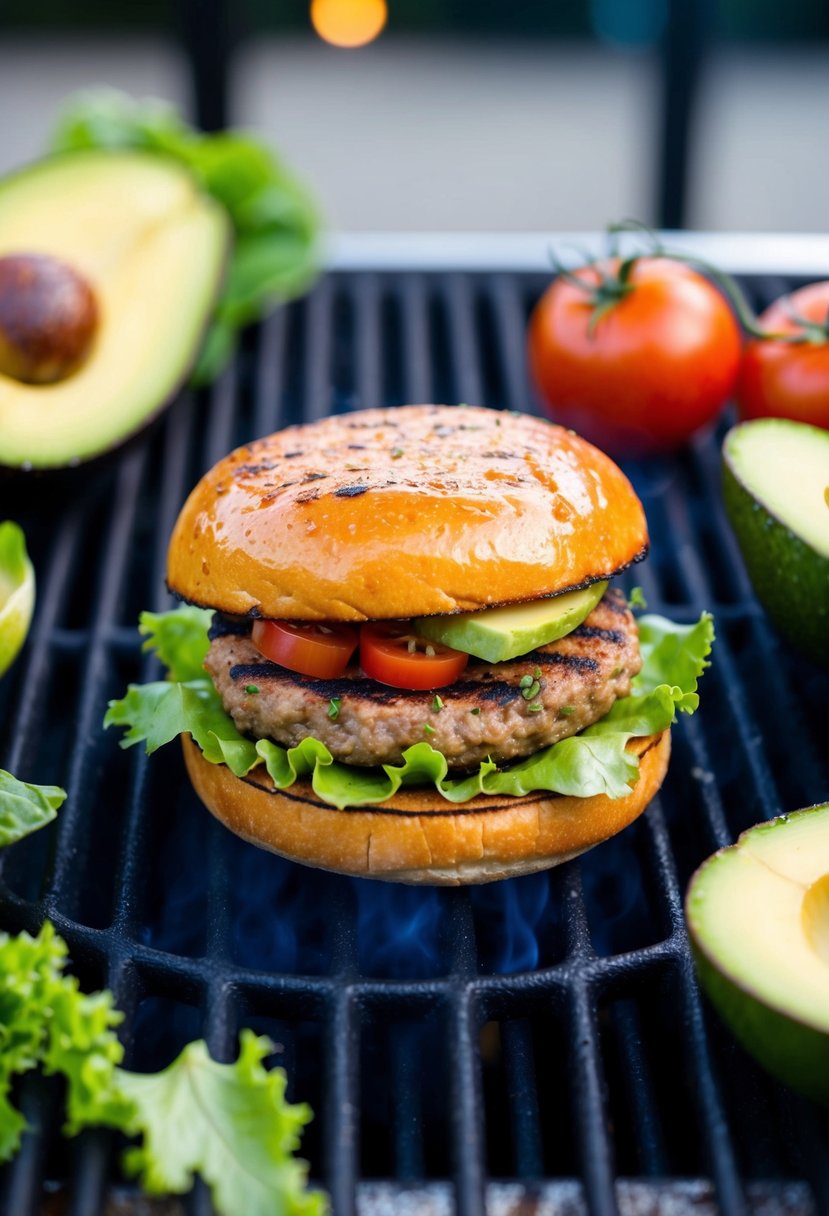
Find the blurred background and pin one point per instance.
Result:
(467, 114)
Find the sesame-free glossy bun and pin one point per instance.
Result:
(417, 836)
(403, 512)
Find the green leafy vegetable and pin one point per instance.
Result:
(179, 639)
(275, 255)
(592, 762)
(46, 1021)
(24, 808)
(229, 1123)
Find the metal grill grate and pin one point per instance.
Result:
(546, 1032)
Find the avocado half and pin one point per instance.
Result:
(776, 493)
(758, 916)
(153, 247)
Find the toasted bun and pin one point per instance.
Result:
(417, 836)
(403, 512)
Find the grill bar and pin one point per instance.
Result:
(587, 1046)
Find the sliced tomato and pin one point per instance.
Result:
(311, 649)
(392, 653)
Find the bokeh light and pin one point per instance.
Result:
(348, 23)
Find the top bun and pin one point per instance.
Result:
(403, 512)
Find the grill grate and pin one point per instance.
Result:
(545, 1032)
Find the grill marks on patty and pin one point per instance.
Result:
(485, 713)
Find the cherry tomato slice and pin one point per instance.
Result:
(309, 648)
(392, 653)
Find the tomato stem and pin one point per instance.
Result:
(609, 289)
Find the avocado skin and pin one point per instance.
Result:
(794, 1053)
(790, 579)
(791, 1050)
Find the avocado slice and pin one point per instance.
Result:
(17, 592)
(153, 248)
(496, 634)
(758, 915)
(776, 491)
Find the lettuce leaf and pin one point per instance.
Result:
(46, 1021)
(230, 1123)
(593, 762)
(24, 808)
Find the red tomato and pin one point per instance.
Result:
(392, 654)
(786, 380)
(660, 362)
(313, 650)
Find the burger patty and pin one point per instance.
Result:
(486, 712)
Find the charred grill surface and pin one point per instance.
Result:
(485, 713)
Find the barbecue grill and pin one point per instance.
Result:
(535, 1046)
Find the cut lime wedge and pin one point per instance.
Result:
(17, 592)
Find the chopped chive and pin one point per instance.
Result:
(427, 729)
(476, 710)
(535, 708)
(566, 710)
(530, 691)
(334, 708)
(525, 682)
(396, 453)
(537, 673)
(437, 704)
(252, 688)
(636, 599)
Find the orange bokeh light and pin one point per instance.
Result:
(348, 23)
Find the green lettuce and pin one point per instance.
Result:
(593, 762)
(24, 808)
(230, 1123)
(46, 1021)
(276, 229)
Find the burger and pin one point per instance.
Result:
(399, 655)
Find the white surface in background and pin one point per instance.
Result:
(770, 253)
(467, 136)
(36, 75)
(418, 135)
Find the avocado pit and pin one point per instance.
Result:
(48, 318)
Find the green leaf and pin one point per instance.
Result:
(45, 1020)
(157, 713)
(24, 808)
(179, 638)
(674, 654)
(593, 762)
(230, 1123)
(276, 254)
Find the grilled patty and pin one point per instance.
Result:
(485, 713)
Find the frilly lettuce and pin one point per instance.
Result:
(230, 1123)
(593, 762)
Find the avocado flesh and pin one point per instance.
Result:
(775, 484)
(497, 634)
(758, 915)
(153, 247)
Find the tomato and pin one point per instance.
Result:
(311, 649)
(391, 653)
(786, 380)
(658, 360)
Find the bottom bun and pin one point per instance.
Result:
(417, 836)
